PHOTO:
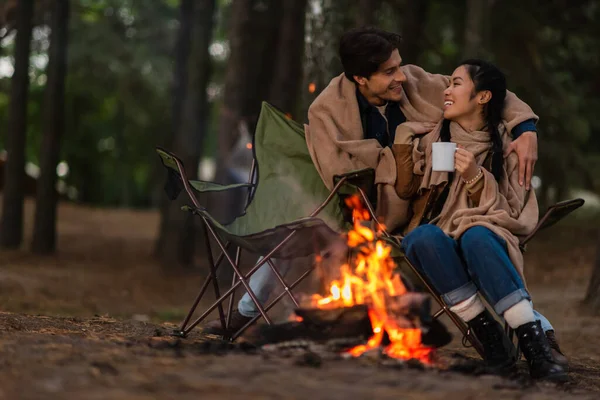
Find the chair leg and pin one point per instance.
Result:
(511, 335)
(282, 281)
(203, 288)
(213, 273)
(233, 279)
(242, 279)
(462, 327)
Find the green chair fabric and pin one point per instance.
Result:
(288, 190)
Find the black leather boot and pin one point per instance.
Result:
(536, 349)
(498, 349)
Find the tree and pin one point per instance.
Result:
(11, 224)
(44, 231)
(254, 25)
(476, 24)
(175, 244)
(285, 85)
(414, 15)
(366, 12)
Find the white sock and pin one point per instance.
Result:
(519, 314)
(469, 308)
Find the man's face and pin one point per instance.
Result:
(386, 83)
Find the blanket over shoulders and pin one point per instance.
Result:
(336, 142)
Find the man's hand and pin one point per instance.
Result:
(526, 148)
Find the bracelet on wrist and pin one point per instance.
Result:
(475, 178)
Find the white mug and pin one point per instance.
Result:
(442, 154)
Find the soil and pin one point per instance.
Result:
(94, 321)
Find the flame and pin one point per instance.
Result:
(371, 280)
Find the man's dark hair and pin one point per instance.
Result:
(363, 50)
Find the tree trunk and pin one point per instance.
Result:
(175, 245)
(285, 85)
(414, 17)
(252, 43)
(44, 230)
(11, 225)
(182, 54)
(592, 297)
(477, 22)
(366, 13)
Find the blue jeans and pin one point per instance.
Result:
(262, 283)
(458, 269)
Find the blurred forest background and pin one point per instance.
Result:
(88, 88)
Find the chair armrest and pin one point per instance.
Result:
(176, 172)
(363, 178)
(204, 186)
(554, 214)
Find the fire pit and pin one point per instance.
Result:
(366, 307)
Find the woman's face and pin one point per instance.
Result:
(460, 101)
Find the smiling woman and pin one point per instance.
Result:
(463, 235)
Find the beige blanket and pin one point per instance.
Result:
(336, 141)
(506, 207)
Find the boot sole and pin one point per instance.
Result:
(558, 378)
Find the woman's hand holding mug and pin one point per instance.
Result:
(465, 164)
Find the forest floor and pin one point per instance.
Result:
(94, 320)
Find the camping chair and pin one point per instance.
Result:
(280, 219)
(275, 222)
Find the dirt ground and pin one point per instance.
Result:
(94, 322)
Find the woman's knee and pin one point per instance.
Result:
(478, 238)
(421, 237)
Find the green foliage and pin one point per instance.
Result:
(121, 56)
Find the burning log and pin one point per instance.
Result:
(408, 312)
(318, 325)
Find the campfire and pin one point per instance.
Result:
(370, 279)
(364, 306)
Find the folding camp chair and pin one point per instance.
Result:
(289, 214)
(285, 196)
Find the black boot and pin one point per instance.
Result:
(536, 349)
(497, 348)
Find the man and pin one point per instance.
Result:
(352, 124)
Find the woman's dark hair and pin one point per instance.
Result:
(487, 76)
(363, 50)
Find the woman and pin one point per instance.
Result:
(464, 228)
